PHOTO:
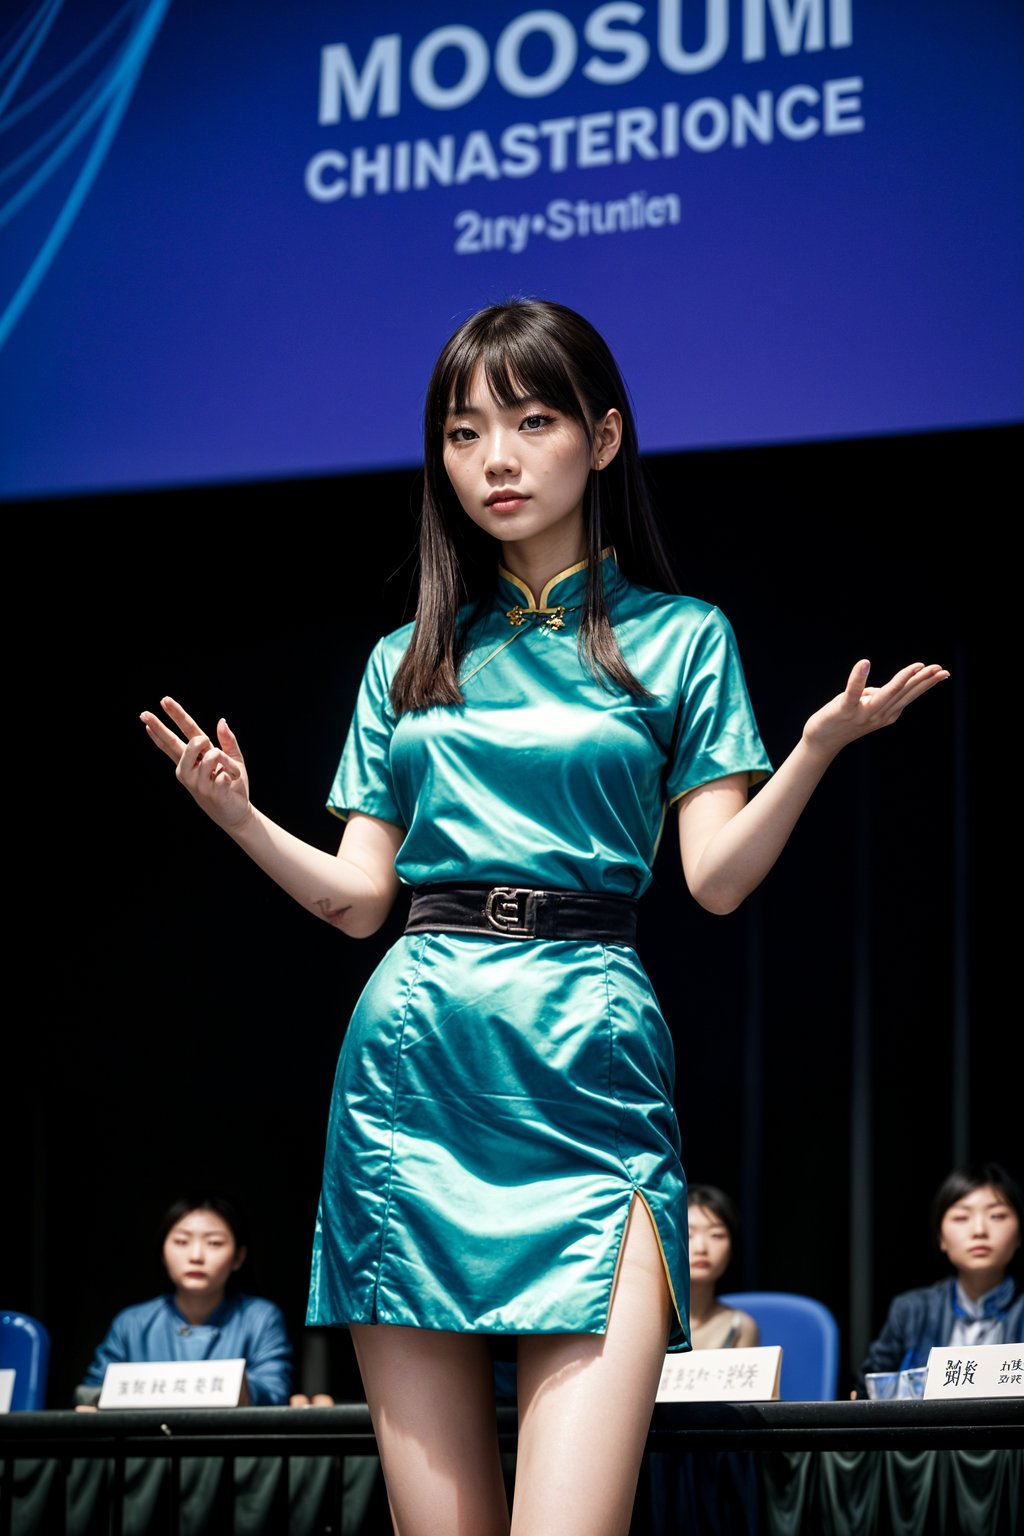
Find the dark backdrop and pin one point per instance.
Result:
(177, 1017)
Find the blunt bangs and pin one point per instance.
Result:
(522, 360)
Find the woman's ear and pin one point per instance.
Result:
(607, 439)
(240, 1258)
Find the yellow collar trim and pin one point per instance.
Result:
(541, 606)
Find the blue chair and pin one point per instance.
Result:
(809, 1336)
(25, 1349)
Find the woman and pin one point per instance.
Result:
(976, 1221)
(713, 1224)
(203, 1317)
(502, 1152)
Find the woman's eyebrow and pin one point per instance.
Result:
(514, 405)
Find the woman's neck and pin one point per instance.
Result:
(537, 559)
(978, 1283)
(196, 1309)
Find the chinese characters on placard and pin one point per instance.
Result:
(178, 1385)
(735, 1375)
(960, 1375)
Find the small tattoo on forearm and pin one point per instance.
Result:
(328, 910)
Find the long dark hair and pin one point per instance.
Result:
(534, 348)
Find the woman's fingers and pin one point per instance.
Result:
(201, 761)
(161, 734)
(193, 757)
(181, 717)
(213, 772)
(166, 739)
(228, 739)
(884, 704)
(217, 765)
(197, 752)
(908, 684)
(856, 681)
(859, 709)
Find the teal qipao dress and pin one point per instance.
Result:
(499, 1104)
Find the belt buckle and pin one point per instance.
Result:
(505, 910)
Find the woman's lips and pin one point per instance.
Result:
(506, 501)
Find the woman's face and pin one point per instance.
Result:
(521, 470)
(980, 1233)
(710, 1244)
(200, 1254)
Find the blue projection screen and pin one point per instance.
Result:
(233, 237)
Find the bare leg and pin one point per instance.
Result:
(431, 1398)
(585, 1403)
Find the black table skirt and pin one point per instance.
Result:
(774, 1469)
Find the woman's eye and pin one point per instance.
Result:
(536, 420)
(461, 435)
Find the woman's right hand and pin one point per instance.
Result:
(214, 775)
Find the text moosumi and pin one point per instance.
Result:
(615, 51)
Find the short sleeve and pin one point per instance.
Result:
(364, 781)
(716, 733)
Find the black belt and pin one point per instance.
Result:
(516, 912)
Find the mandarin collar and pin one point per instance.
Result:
(993, 1303)
(565, 589)
(216, 1319)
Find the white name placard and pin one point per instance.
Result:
(173, 1384)
(975, 1370)
(722, 1376)
(6, 1390)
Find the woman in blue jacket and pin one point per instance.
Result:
(977, 1215)
(203, 1317)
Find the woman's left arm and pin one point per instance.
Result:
(269, 1359)
(728, 844)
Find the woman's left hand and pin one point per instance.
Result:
(860, 709)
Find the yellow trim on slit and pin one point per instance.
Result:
(638, 1194)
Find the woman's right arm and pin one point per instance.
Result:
(352, 890)
(112, 1351)
(888, 1351)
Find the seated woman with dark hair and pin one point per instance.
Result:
(203, 1316)
(713, 1223)
(976, 1221)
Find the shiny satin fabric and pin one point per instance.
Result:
(498, 1107)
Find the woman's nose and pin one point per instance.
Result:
(501, 457)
